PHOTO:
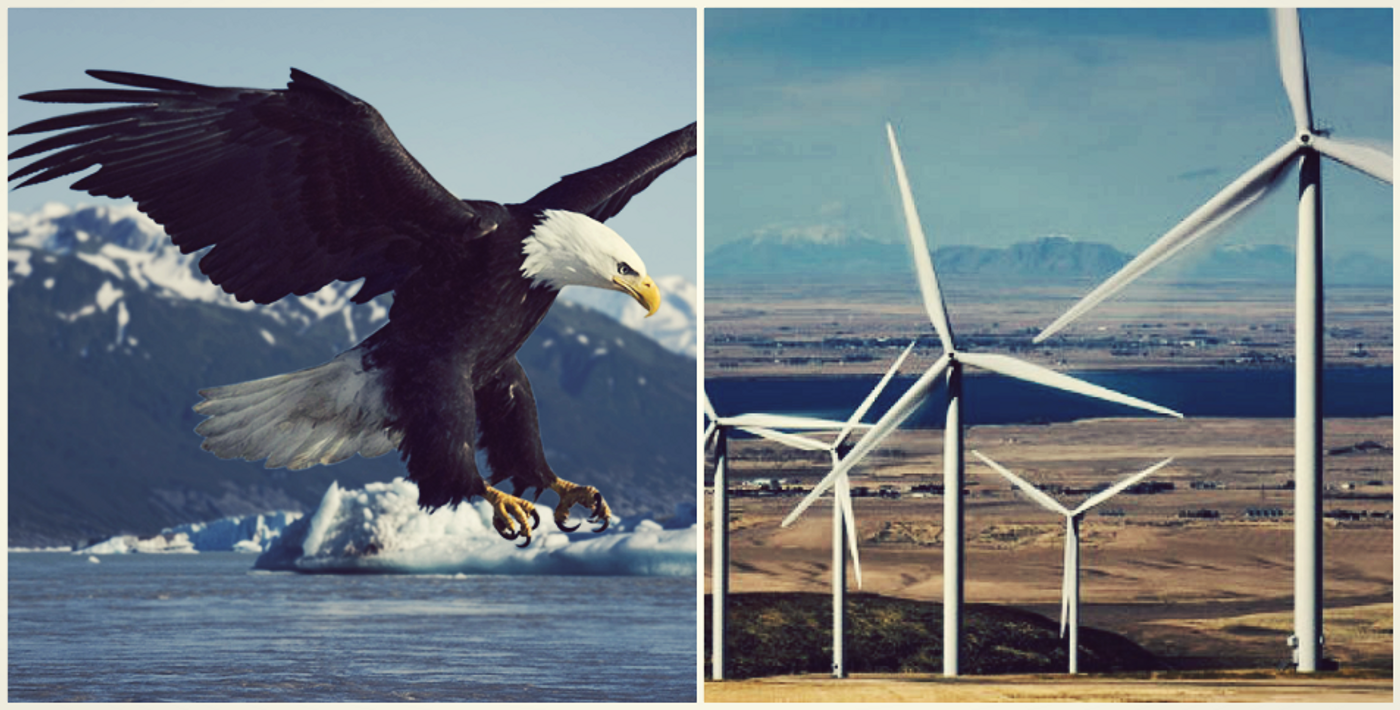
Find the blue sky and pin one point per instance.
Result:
(1106, 126)
(497, 104)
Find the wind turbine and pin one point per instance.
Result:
(1069, 595)
(1307, 147)
(767, 426)
(843, 510)
(951, 363)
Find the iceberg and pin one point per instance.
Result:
(123, 544)
(380, 528)
(239, 533)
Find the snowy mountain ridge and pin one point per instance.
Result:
(132, 251)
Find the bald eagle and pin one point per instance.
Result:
(292, 189)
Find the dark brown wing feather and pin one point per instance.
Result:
(603, 191)
(293, 188)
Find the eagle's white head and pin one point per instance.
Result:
(572, 249)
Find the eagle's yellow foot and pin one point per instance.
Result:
(571, 495)
(508, 511)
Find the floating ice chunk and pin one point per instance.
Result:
(380, 528)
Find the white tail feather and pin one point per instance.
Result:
(320, 415)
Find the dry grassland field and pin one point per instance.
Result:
(1198, 593)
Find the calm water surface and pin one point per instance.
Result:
(1264, 393)
(205, 628)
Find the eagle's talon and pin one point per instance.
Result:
(571, 495)
(507, 511)
(600, 512)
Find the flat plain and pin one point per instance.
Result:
(763, 331)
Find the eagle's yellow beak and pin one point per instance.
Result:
(641, 288)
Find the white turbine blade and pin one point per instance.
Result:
(793, 440)
(1026, 487)
(874, 395)
(1022, 370)
(1067, 581)
(710, 408)
(1372, 160)
(710, 431)
(906, 406)
(1293, 66)
(843, 499)
(923, 263)
(783, 421)
(1117, 488)
(1245, 191)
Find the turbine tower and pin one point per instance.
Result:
(843, 520)
(767, 426)
(1307, 147)
(951, 363)
(1069, 595)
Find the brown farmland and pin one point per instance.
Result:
(1200, 593)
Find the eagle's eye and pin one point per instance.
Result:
(625, 270)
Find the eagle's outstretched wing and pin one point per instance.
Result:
(601, 192)
(293, 188)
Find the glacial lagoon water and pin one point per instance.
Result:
(993, 399)
(204, 627)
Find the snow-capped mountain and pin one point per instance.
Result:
(806, 254)
(112, 331)
(673, 325)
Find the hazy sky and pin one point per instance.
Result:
(496, 104)
(1107, 126)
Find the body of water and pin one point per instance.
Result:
(994, 399)
(191, 628)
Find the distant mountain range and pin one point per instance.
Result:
(804, 254)
(112, 331)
